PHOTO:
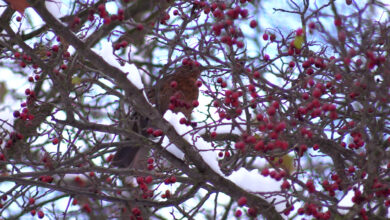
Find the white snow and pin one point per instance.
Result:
(251, 181)
(106, 52)
(54, 7)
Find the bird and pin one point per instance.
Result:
(176, 92)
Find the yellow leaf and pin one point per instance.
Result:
(298, 42)
(288, 162)
(76, 80)
(3, 91)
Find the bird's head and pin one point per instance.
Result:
(192, 71)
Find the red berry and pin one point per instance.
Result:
(259, 117)
(107, 20)
(150, 160)
(337, 22)
(259, 145)
(41, 214)
(16, 114)
(285, 185)
(87, 208)
(148, 179)
(157, 133)
(101, 7)
(271, 111)
(150, 130)
(242, 201)
(136, 211)
(22, 64)
(55, 48)
(173, 84)
(183, 121)
(74, 202)
(272, 37)
(195, 103)
(114, 17)
(109, 158)
(140, 27)
(76, 20)
(244, 13)
(31, 201)
(310, 186)
(240, 145)
(140, 180)
(17, 55)
(222, 6)
(265, 36)
(317, 93)
(124, 43)
(252, 212)
(240, 44)
(299, 32)
(253, 24)
(172, 179)
(265, 172)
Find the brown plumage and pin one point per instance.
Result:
(183, 94)
(178, 89)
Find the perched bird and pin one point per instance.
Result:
(177, 92)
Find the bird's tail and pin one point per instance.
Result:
(133, 156)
